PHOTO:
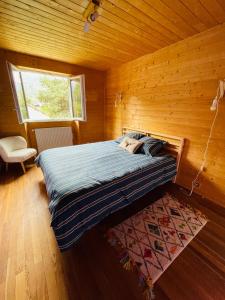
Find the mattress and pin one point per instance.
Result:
(86, 183)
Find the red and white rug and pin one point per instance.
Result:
(149, 241)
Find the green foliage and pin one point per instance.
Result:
(21, 100)
(22, 105)
(53, 96)
(47, 96)
(76, 99)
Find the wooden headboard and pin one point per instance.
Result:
(174, 144)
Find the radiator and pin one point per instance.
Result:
(53, 137)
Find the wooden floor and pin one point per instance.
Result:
(31, 266)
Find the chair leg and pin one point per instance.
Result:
(23, 167)
(6, 167)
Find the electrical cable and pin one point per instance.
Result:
(201, 169)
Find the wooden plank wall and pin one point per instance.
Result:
(89, 131)
(170, 91)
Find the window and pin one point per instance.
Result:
(43, 96)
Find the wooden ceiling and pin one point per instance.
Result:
(125, 30)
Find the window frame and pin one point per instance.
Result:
(83, 98)
(11, 68)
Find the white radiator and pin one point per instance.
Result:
(53, 137)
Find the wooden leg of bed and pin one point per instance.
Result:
(6, 167)
(23, 167)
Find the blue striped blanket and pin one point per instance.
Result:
(86, 183)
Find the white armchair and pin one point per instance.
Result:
(14, 149)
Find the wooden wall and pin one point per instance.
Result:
(170, 91)
(89, 131)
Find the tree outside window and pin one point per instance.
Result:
(43, 96)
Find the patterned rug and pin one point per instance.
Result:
(149, 241)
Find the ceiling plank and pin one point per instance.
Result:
(17, 19)
(73, 29)
(215, 9)
(222, 3)
(178, 7)
(197, 8)
(40, 49)
(151, 12)
(125, 29)
(152, 26)
(74, 19)
(36, 35)
(171, 15)
(159, 39)
(113, 21)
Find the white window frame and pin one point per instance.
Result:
(11, 67)
(83, 101)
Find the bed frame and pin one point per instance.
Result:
(174, 144)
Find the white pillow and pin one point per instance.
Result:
(131, 145)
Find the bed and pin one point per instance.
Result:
(86, 183)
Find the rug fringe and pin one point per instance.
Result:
(128, 265)
(118, 236)
(149, 294)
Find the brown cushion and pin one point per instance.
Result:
(131, 145)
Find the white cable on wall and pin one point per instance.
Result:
(215, 106)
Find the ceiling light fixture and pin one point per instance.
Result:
(91, 13)
(219, 95)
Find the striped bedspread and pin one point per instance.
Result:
(86, 183)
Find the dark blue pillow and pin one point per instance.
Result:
(132, 135)
(151, 146)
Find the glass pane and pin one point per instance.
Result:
(19, 92)
(76, 89)
(47, 96)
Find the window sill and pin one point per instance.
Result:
(53, 120)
